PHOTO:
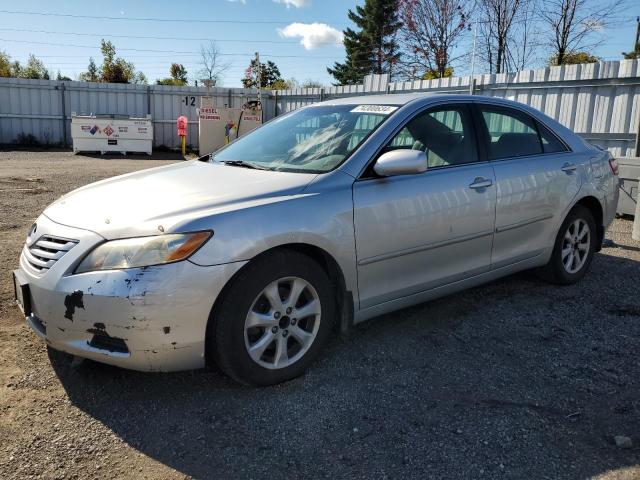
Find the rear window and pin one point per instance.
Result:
(550, 143)
(511, 133)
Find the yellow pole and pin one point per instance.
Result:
(184, 145)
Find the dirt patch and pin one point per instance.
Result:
(516, 379)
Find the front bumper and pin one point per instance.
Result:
(150, 319)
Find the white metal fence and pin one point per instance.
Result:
(600, 101)
(43, 108)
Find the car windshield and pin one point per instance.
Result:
(315, 139)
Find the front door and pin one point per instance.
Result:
(417, 232)
(537, 178)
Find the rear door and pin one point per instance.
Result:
(417, 232)
(537, 178)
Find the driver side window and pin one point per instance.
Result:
(445, 134)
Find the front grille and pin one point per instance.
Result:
(44, 253)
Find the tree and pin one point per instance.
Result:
(113, 69)
(178, 76)
(374, 47)
(309, 83)
(434, 74)
(62, 78)
(574, 24)
(269, 75)
(497, 23)
(5, 64)
(635, 54)
(431, 30)
(211, 62)
(35, 69)
(575, 58)
(523, 42)
(91, 75)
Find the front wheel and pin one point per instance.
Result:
(274, 319)
(574, 248)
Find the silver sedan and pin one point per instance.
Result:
(320, 219)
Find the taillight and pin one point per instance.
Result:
(613, 165)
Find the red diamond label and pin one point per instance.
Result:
(108, 131)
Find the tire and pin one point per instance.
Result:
(257, 343)
(564, 269)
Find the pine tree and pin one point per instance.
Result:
(373, 48)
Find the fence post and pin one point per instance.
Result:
(638, 138)
(635, 233)
(275, 104)
(229, 93)
(148, 99)
(322, 94)
(64, 116)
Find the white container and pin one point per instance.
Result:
(111, 133)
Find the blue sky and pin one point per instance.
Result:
(276, 38)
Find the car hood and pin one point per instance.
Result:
(162, 198)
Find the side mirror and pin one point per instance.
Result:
(401, 162)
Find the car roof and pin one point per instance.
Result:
(404, 98)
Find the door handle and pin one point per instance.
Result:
(480, 182)
(569, 167)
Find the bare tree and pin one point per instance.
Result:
(574, 24)
(431, 31)
(498, 19)
(523, 45)
(211, 63)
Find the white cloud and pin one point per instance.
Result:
(244, 2)
(295, 3)
(313, 35)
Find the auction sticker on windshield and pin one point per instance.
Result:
(382, 109)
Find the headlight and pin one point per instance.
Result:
(143, 251)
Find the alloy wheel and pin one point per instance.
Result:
(575, 246)
(282, 322)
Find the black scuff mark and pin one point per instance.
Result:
(166, 330)
(102, 340)
(71, 302)
(61, 329)
(98, 329)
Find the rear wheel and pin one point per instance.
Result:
(274, 319)
(574, 248)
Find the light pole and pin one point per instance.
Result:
(473, 57)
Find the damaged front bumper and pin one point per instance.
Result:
(150, 318)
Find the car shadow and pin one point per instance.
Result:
(514, 378)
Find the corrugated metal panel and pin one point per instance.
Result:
(35, 107)
(600, 101)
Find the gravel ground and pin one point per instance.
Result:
(515, 379)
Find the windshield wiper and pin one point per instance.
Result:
(242, 163)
